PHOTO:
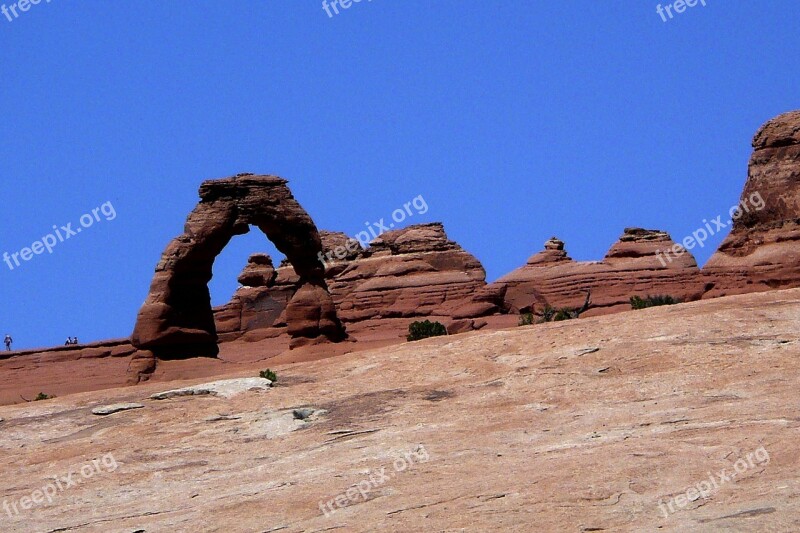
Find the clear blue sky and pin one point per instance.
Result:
(515, 120)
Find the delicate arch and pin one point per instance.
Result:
(176, 320)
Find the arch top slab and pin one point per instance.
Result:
(176, 320)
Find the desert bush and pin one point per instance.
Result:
(525, 319)
(652, 301)
(423, 330)
(548, 313)
(43, 396)
(269, 374)
(565, 313)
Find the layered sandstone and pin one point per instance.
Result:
(73, 368)
(418, 272)
(636, 265)
(411, 272)
(259, 303)
(762, 251)
(404, 274)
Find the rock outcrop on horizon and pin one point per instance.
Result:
(177, 321)
(417, 273)
(762, 251)
(412, 272)
(634, 266)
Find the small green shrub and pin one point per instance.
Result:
(43, 396)
(423, 330)
(652, 301)
(269, 374)
(525, 319)
(565, 313)
(548, 313)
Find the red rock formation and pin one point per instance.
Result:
(407, 273)
(259, 272)
(631, 267)
(412, 272)
(259, 303)
(176, 319)
(762, 251)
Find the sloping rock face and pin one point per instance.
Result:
(176, 319)
(637, 264)
(762, 251)
(604, 425)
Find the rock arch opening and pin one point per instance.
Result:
(228, 265)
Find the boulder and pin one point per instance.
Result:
(226, 388)
(259, 272)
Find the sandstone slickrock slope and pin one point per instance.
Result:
(762, 251)
(177, 320)
(589, 425)
(631, 267)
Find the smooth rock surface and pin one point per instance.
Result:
(115, 408)
(225, 388)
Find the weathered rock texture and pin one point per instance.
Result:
(176, 319)
(260, 302)
(592, 425)
(631, 267)
(407, 273)
(412, 272)
(762, 251)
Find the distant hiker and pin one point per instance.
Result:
(68, 342)
(75, 340)
(8, 340)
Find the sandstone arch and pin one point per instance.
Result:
(176, 320)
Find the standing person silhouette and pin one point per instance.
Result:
(8, 340)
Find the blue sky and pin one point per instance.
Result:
(515, 121)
